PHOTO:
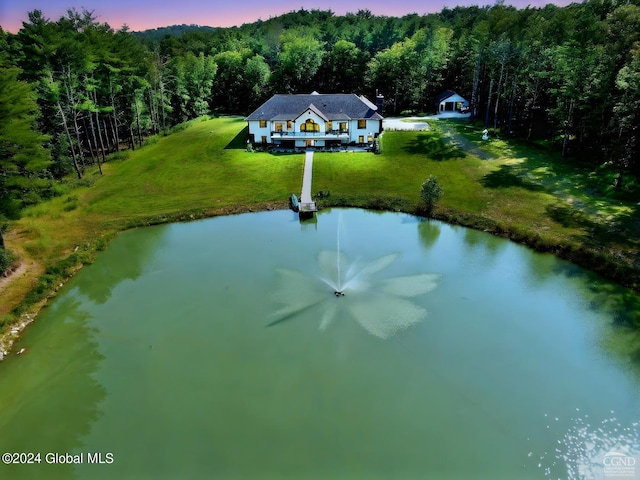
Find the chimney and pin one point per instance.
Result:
(379, 102)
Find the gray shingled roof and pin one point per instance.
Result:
(332, 106)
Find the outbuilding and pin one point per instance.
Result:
(450, 101)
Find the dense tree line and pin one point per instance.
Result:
(74, 90)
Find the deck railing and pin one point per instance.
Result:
(329, 134)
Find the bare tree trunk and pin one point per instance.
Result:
(94, 145)
(486, 119)
(162, 109)
(66, 129)
(567, 124)
(532, 113)
(115, 117)
(70, 98)
(513, 98)
(115, 136)
(475, 94)
(153, 113)
(101, 143)
(132, 140)
(495, 113)
(77, 132)
(135, 102)
(108, 138)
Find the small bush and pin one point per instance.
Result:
(431, 193)
(7, 258)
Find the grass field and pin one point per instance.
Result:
(515, 190)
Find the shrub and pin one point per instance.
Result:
(430, 193)
(7, 258)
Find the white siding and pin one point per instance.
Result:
(258, 133)
(309, 115)
(372, 127)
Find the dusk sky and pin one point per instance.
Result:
(143, 14)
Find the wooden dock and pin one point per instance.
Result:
(307, 205)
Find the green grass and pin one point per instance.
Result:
(508, 188)
(191, 170)
(399, 171)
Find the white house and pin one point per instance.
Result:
(450, 101)
(315, 120)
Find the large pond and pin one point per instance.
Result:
(220, 349)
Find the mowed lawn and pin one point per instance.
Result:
(204, 169)
(198, 168)
(408, 160)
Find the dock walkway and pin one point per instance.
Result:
(306, 202)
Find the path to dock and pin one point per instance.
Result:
(306, 202)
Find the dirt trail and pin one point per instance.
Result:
(6, 279)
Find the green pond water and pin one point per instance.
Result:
(218, 349)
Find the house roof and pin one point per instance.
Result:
(317, 111)
(329, 106)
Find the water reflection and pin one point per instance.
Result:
(49, 398)
(123, 260)
(378, 303)
(429, 232)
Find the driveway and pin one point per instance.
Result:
(418, 123)
(410, 124)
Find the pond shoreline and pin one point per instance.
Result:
(613, 268)
(28, 313)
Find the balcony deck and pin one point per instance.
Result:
(332, 135)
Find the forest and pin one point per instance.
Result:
(74, 90)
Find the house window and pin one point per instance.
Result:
(362, 124)
(310, 126)
(264, 139)
(278, 127)
(329, 126)
(369, 139)
(343, 126)
(289, 124)
(361, 139)
(263, 124)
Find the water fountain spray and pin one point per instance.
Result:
(381, 304)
